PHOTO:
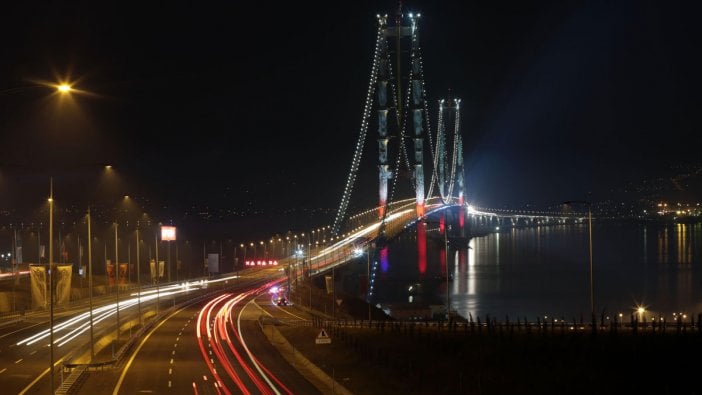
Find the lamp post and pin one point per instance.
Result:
(243, 259)
(589, 229)
(158, 273)
(90, 288)
(138, 272)
(62, 89)
(359, 252)
(117, 279)
(51, 282)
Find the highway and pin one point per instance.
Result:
(234, 358)
(24, 345)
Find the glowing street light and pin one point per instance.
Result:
(64, 88)
(358, 251)
(52, 273)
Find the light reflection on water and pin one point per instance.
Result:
(541, 271)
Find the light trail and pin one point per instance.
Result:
(213, 327)
(80, 323)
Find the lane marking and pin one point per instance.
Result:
(131, 359)
(3, 370)
(169, 383)
(171, 361)
(44, 373)
(18, 361)
(170, 371)
(19, 330)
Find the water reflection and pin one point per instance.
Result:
(545, 270)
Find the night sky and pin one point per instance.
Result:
(255, 105)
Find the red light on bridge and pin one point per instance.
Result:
(260, 262)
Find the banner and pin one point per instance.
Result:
(37, 275)
(110, 273)
(122, 273)
(64, 273)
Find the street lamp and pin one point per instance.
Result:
(359, 252)
(51, 281)
(90, 287)
(64, 88)
(117, 278)
(589, 228)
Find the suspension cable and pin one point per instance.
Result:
(358, 153)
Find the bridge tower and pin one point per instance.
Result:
(448, 164)
(401, 112)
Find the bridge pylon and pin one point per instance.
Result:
(401, 112)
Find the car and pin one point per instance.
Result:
(281, 301)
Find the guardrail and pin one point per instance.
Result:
(491, 325)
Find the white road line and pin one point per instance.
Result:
(4, 369)
(18, 361)
(44, 373)
(131, 359)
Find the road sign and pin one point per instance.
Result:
(323, 338)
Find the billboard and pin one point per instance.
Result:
(168, 233)
(213, 263)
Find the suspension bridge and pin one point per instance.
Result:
(396, 106)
